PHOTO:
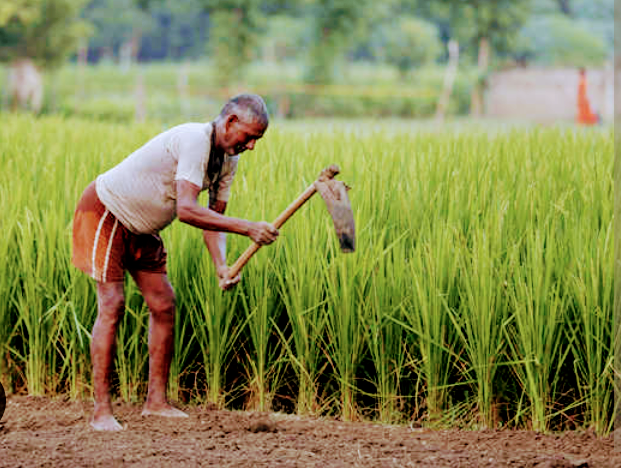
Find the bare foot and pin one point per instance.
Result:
(105, 423)
(164, 410)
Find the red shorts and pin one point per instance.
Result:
(103, 248)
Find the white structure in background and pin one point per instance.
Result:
(547, 95)
(24, 86)
(449, 80)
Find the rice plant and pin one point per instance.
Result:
(481, 291)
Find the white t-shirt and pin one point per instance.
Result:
(141, 190)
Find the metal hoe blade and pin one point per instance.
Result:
(334, 193)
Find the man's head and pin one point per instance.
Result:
(242, 121)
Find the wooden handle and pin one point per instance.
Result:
(282, 218)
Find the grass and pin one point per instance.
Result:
(173, 92)
(481, 292)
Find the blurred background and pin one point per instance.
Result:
(179, 60)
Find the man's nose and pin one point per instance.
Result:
(250, 144)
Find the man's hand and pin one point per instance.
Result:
(263, 233)
(224, 282)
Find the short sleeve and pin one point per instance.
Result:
(192, 157)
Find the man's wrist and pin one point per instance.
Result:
(247, 228)
(221, 270)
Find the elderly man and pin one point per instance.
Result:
(116, 229)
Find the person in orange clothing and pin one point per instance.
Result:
(585, 115)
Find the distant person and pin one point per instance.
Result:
(24, 86)
(585, 115)
(116, 229)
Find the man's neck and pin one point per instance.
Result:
(217, 133)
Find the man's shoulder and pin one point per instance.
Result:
(193, 128)
(191, 136)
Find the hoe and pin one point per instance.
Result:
(334, 193)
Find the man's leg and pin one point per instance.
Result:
(160, 298)
(111, 305)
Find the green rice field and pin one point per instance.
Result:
(480, 294)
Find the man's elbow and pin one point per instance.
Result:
(196, 216)
(185, 214)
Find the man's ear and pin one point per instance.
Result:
(230, 120)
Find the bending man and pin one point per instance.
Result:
(116, 229)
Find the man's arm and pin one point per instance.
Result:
(215, 241)
(215, 224)
(189, 211)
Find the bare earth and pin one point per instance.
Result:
(43, 432)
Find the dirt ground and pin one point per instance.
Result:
(43, 432)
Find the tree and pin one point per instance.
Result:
(283, 38)
(560, 41)
(235, 26)
(565, 7)
(158, 29)
(33, 35)
(408, 42)
(23, 11)
(494, 26)
(596, 17)
(181, 30)
(334, 24)
(498, 21)
(44, 31)
(119, 26)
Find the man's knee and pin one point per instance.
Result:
(158, 294)
(162, 304)
(111, 303)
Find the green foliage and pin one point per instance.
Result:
(497, 20)
(116, 22)
(546, 7)
(181, 31)
(466, 21)
(335, 22)
(108, 92)
(283, 38)
(596, 16)
(408, 42)
(550, 27)
(234, 31)
(23, 11)
(46, 31)
(560, 41)
(166, 28)
(322, 32)
(594, 9)
(482, 278)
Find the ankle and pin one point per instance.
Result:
(103, 407)
(156, 401)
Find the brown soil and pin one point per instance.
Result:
(45, 432)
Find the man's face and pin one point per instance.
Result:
(241, 135)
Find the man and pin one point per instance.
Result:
(119, 216)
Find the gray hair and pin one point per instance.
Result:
(249, 107)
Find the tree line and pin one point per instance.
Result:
(320, 33)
